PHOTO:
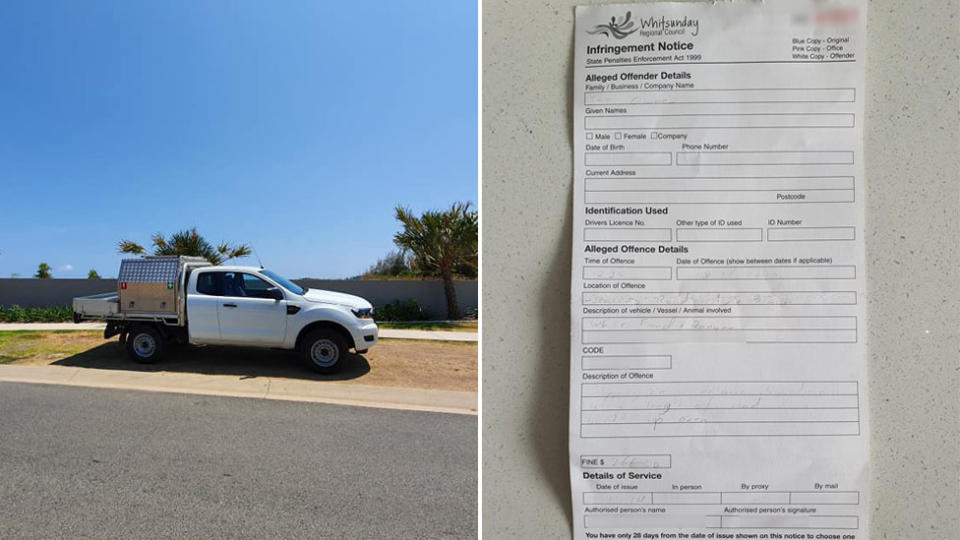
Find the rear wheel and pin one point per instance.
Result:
(144, 344)
(324, 350)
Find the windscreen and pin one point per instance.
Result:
(284, 282)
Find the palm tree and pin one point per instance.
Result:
(43, 271)
(187, 242)
(441, 241)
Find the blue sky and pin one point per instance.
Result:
(293, 126)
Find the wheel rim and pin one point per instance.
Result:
(324, 353)
(144, 345)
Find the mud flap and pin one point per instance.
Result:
(111, 330)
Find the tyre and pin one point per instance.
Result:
(324, 350)
(144, 344)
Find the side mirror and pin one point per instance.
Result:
(275, 293)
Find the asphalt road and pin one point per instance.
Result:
(96, 463)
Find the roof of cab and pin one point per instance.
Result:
(230, 268)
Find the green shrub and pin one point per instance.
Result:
(17, 313)
(394, 264)
(405, 310)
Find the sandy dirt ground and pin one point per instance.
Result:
(438, 365)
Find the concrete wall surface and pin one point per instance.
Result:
(428, 293)
(50, 292)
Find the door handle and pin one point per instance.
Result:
(229, 305)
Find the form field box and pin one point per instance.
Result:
(720, 415)
(719, 197)
(615, 324)
(627, 273)
(810, 234)
(643, 362)
(823, 157)
(647, 498)
(723, 336)
(640, 497)
(781, 521)
(627, 158)
(632, 234)
(627, 349)
(825, 497)
(722, 388)
(663, 521)
(732, 95)
(669, 497)
(755, 497)
(719, 409)
(713, 401)
(720, 121)
(636, 461)
(722, 298)
(719, 235)
(766, 272)
(703, 429)
(759, 183)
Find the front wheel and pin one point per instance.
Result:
(144, 344)
(324, 350)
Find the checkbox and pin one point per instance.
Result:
(589, 135)
(618, 135)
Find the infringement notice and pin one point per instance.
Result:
(718, 360)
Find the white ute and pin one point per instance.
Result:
(166, 300)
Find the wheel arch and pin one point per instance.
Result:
(169, 334)
(325, 325)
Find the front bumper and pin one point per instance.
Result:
(365, 335)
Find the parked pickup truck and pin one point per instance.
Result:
(169, 300)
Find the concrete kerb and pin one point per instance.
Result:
(444, 401)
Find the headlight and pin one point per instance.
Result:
(365, 313)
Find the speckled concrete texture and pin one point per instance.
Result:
(913, 205)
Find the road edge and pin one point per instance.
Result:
(355, 395)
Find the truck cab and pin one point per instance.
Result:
(240, 305)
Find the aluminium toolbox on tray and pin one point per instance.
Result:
(152, 284)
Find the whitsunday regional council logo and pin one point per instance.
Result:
(618, 29)
(651, 26)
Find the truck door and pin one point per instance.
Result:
(247, 316)
(202, 301)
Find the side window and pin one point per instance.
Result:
(210, 283)
(254, 286)
(239, 285)
(233, 284)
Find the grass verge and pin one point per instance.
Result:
(27, 344)
(434, 365)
